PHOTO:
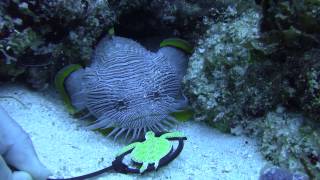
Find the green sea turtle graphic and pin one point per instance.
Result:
(152, 150)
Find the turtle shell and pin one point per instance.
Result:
(151, 150)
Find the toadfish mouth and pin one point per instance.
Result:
(135, 121)
(136, 125)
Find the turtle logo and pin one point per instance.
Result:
(153, 152)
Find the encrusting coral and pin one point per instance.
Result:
(254, 62)
(130, 88)
(273, 172)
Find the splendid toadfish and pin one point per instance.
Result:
(130, 88)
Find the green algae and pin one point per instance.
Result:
(59, 84)
(178, 43)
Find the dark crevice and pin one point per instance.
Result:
(139, 24)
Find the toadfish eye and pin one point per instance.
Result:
(154, 95)
(121, 105)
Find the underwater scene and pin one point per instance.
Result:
(160, 89)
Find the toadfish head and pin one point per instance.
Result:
(131, 89)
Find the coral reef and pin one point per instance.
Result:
(247, 65)
(218, 72)
(36, 35)
(276, 173)
(51, 34)
(164, 18)
(289, 141)
(291, 40)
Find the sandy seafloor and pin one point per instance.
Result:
(67, 149)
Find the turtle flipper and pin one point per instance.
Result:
(156, 164)
(127, 148)
(143, 167)
(173, 135)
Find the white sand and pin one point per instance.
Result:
(68, 150)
